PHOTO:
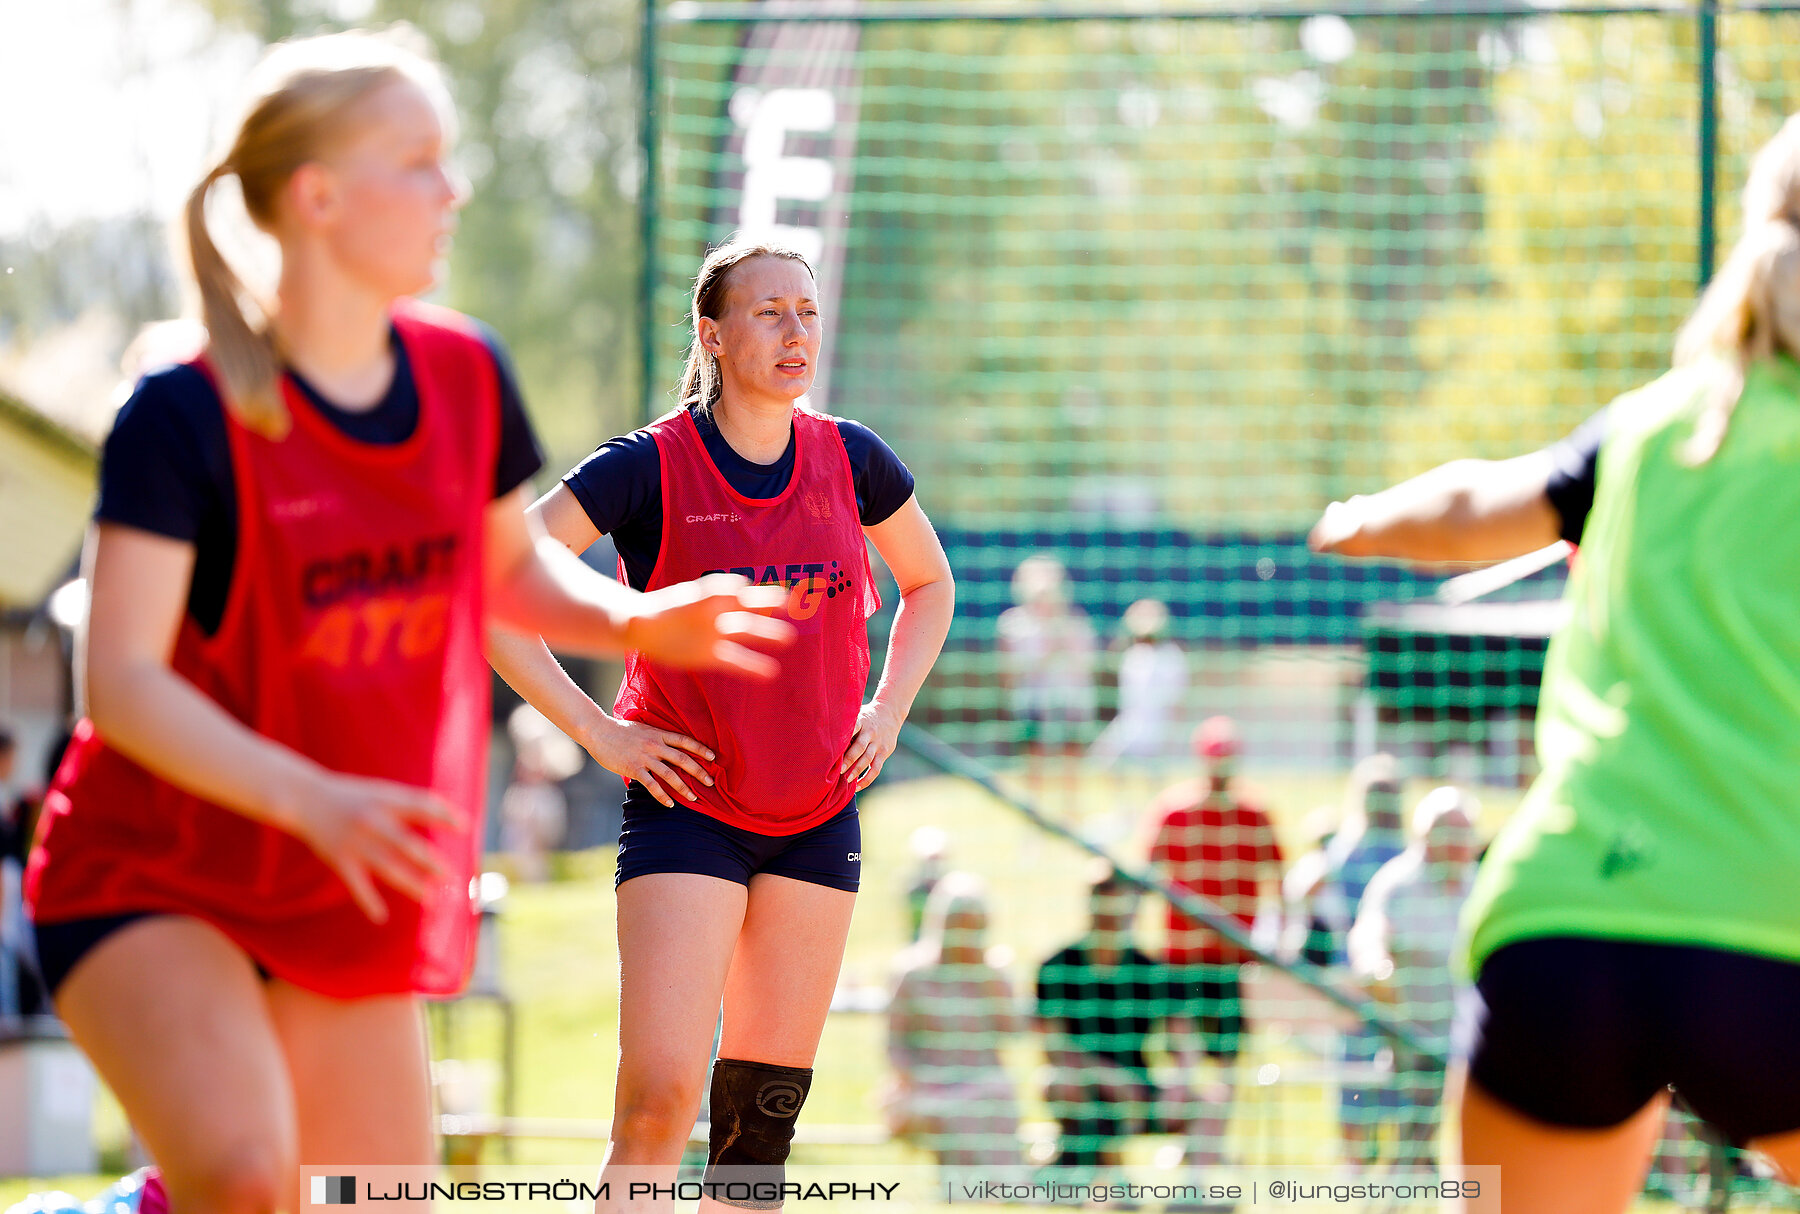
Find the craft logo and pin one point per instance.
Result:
(334, 1190)
(809, 584)
(1631, 850)
(729, 516)
(364, 573)
(780, 1098)
(368, 604)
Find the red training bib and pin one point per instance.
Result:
(778, 744)
(353, 634)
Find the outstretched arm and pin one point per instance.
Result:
(537, 585)
(693, 624)
(1466, 510)
(1370, 940)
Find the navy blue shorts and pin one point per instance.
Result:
(61, 946)
(658, 839)
(1579, 1032)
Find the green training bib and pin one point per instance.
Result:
(1669, 721)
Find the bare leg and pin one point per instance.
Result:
(1784, 1151)
(1361, 1147)
(1421, 1117)
(1212, 1117)
(676, 936)
(1546, 1169)
(785, 970)
(362, 1083)
(783, 973)
(173, 1016)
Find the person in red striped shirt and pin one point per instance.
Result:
(1208, 837)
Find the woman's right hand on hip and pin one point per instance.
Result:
(655, 758)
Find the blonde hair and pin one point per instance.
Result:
(1437, 805)
(1748, 312)
(1040, 577)
(954, 893)
(1370, 771)
(303, 96)
(700, 379)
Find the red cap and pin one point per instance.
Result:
(1216, 738)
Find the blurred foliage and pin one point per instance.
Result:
(1234, 243)
(1097, 270)
(53, 277)
(1213, 273)
(1592, 214)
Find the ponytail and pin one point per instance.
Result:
(700, 376)
(1749, 312)
(242, 353)
(1751, 309)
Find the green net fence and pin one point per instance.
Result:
(1134, 296)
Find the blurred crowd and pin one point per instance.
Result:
(21, 795)
(1139, 1040)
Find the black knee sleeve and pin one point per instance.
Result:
(754, 1107)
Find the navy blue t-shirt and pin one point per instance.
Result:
(1575, 461)
(620, 485)
(166, 466)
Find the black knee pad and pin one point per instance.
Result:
(754, 1107)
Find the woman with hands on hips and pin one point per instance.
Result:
(740, 852)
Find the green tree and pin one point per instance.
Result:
(1590, 187)
(1146, 270)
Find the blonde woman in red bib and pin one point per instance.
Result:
(257, 854)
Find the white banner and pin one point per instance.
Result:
(788, 162)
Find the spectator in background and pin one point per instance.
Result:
(1206, 837)
(1370, 835)
(1326, 883)
(19, 812)
(929, 846)
(534, 813)
(1401, 946)
(1305, 935)
(1098, 1001)
(1047, 661)
(12, 850)
(949, 1015)
(12, 824)
(21, 985)
(1153, 677)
